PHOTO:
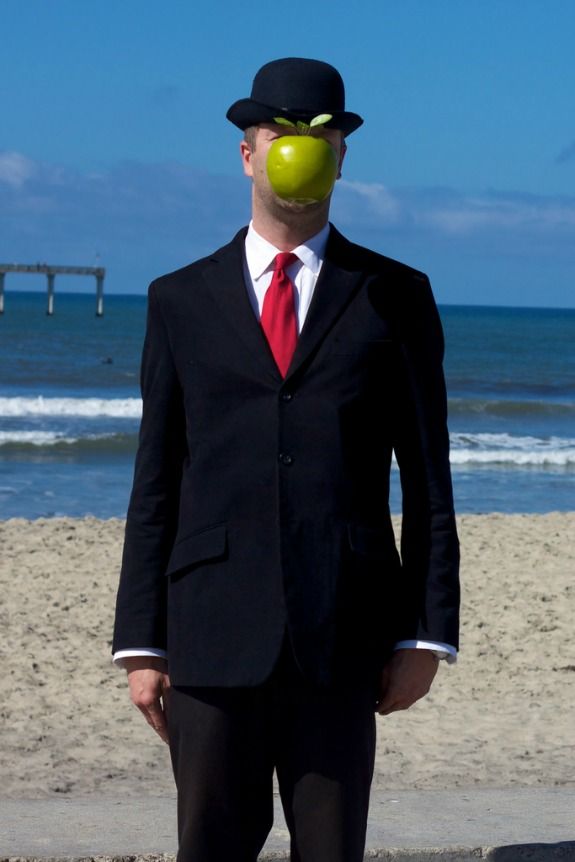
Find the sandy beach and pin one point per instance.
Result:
(503, 715)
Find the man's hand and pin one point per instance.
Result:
(149, 684)
(406, 678)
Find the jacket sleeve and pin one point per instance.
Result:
(153, 509)
(429, 588)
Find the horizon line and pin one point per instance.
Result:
(143, 294)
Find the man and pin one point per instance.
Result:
(260, 575)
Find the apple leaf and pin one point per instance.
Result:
(304, 128)
(320, 120)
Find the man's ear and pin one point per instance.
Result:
(342, 153)
(246, 156)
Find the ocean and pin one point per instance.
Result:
(70, 407)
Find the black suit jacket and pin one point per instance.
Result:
(260, 502)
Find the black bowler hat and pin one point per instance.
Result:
(295, 89)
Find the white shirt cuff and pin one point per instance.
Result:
(441, 650)
(118, 657)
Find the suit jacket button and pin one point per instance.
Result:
(286, 396)
(285, 459)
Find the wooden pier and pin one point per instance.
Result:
(51, 272)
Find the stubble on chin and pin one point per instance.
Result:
(294, 212)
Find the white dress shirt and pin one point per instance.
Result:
(258, 271)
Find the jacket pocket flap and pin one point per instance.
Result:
(372, 542)
(206, 545)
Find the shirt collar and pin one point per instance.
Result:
(260, 253)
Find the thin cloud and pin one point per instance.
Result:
(143, 218)
(377, 196)
(453, 213)
(15, 169)
(148, 218)
(162, 195)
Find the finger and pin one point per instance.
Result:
(387, 710)
(388, 696)
(396, 706)
(383, 689)
(155, 717)
(386, 706)
(160, 726)
(166, 702)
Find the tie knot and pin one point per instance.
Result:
(283, 260)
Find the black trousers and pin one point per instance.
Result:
(225, 744)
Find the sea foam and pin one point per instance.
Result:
(511, 450)
(117, 408)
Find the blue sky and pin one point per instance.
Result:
(114, 144)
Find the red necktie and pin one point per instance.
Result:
(278, 318)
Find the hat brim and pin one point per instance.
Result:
(247, 112)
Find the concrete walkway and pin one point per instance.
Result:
(511, 825)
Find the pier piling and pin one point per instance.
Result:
(51, 271)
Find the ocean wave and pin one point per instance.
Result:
(512, 450)
(54, 440)
(115, 408)
(131, 408)
(510, 408)
(34, 438)
(467, 449)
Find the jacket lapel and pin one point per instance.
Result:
(226, 282)
(340, 277)
(338, 281)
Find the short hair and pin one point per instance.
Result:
(250, 135)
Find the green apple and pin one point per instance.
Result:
(301, 167)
